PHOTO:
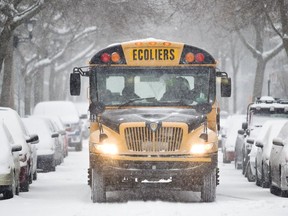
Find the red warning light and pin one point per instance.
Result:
(105, 57)
(199, 57)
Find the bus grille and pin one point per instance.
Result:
(143, 139)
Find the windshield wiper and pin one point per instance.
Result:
(135, 99)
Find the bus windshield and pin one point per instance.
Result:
(154, 86)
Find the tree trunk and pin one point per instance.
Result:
(4, 36)
(38, 88)
(28, 89)
(283, 7)
(53, 90)
(259, 78)
(7, 93)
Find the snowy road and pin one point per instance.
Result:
(66, 193)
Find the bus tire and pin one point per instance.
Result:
(98, 190)
(208, 191)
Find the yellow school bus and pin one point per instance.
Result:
(154, 117)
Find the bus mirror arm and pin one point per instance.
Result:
(79, 70)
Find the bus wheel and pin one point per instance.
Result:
(98, 189)
(208, 191)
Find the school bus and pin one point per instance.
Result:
(154, 117)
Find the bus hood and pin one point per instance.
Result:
(113, 118)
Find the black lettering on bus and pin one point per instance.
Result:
(151, 56)
(166, 54)
(134, 52)
(146, 54)
(172, 56)
(160, 54)
(140, 54)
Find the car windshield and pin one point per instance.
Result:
(258, 118)
(153, 87)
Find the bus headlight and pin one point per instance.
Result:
(201, 148)
(106, 148)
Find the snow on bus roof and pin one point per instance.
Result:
(139, 40)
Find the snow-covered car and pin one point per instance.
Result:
(63, 139)
(82, 108)
(28, 154)
(262, 110)
(233, 124)
(263, 143)
(69, 115)
(250, 158)
(239, 146)
(279, 163)
(223, 117)
(9, 164)
(48, 142)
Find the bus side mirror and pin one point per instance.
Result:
(225, 87)
(75, 84)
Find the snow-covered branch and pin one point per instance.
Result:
(248, 45)
(75, 58)
(273, 52)
(28, 13)
(53, 57)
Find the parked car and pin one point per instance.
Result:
(63, 139)
(223, 117)
(48, 142)
(233, 123)
(69, 115)
(239, 146)
(9, 164)
(250, 158)
(263, 143)
(82, 108)
(279, 163)
(28, 154)
(262, 110)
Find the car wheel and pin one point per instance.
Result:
(258, 181)
(265, 179)
(249, 174)
(225, 158)
(24, 186)
(208, 190)
(35, 175)
(78, 147)
(98, 187)
(284, 193)
(274, 190)
(8, 194)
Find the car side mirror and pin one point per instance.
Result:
(83, 116)
(250, 141)
(16, 148)
(259, 144)
(241, 132)
(278, 142)
(55, 135)
(33, 139)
